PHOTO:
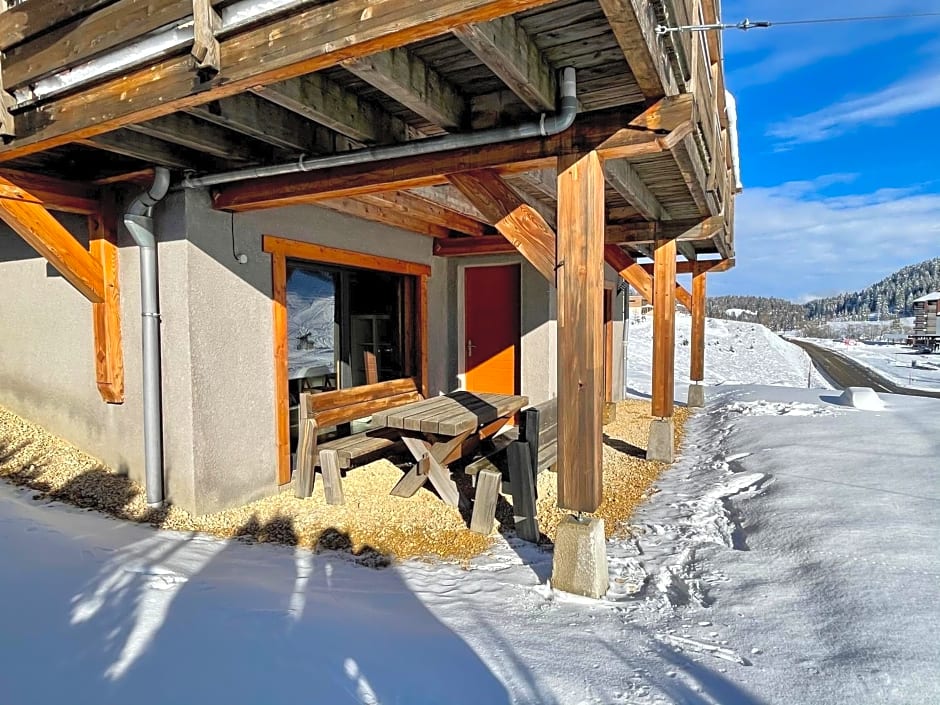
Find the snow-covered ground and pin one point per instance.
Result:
(735, 353)
(901, 364)
(788, 557)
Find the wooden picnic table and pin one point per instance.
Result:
(436, 432)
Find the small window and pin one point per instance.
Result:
(345, 327)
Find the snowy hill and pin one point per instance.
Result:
(735, 353)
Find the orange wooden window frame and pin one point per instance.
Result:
(280, 250)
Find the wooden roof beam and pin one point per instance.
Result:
(152, 150)
(632, 130)
(262, 120)
(505, 48)
(449, 197)
(515, 220)
(699, 267)
(56, 194)
(687, 250)
(303, 42)
(374, 209)
(29, 219)
(633, 23)
(317, 98)
(429, 210)
(193, 133)
(643, 233)
(413, 83)
(627, 182)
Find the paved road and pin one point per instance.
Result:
(844, 372)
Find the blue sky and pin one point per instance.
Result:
(840, 146)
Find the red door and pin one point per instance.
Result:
(491, 329)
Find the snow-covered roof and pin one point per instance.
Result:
(933, 296)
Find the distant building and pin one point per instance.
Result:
(925, 321)
(639, 306)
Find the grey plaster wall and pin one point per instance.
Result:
(47, 370)
(217, 341)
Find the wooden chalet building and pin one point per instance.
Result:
(365, 194)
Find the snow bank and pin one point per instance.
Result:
(735, 353)
(862, 398)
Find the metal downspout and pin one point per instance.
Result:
(139, 222)
(546, 126)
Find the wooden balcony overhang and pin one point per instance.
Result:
(327, 77)
(645, 171)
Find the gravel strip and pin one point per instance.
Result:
(372, 525)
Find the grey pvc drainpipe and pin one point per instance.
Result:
(546, 126)
(139, 223)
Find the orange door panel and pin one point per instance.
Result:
(491, 329)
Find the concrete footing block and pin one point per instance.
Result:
(696, 395)
(580, 562)
(661, 445)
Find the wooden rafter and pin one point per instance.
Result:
(432, 210)
(505, 48)
(258, 118)
(27, 216)
(633, 23)
(307, 41)
(406, 78)
(317, 98)
(643, 233)
(460, 246)
(516, 220)
(148, 149)
(377, 210)
(702, 265)
(190, 132)
(625, 180)
(618, 133)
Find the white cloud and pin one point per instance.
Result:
(912, 94)
(793, 240)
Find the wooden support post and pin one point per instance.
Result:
(580, 281)
(664, 328)
(697, 371)
(109, 353)
(306, 457)
(206, 50)
(522, 480)
(484, 502)
(332, 479)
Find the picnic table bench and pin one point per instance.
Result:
(514, 462)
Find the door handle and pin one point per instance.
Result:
(470, 347)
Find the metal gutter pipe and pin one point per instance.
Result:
(150, 47)
(546, 126)
(139, 223)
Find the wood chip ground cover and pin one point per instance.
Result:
(372, 524)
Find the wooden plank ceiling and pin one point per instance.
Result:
(459, 78)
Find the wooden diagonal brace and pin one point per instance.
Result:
(515, 220)
(29, 219)
(637, 276)
(206, 51)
